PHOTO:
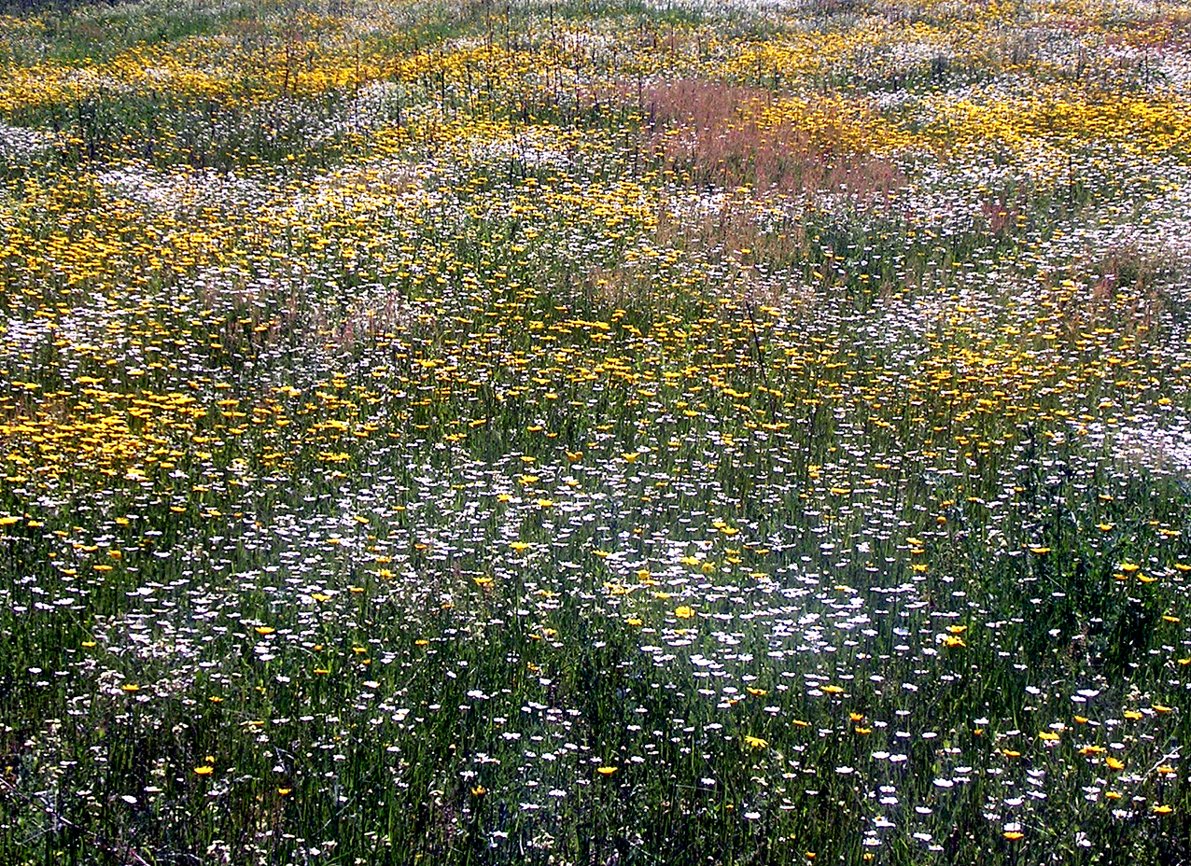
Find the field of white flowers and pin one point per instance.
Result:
(595, 431)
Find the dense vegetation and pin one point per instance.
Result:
(595, 432)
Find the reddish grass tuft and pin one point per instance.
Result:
(712, 134)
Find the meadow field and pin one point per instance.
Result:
(595, 432)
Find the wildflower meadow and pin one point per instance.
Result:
(595, 432)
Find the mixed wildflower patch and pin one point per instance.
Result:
(595, 432)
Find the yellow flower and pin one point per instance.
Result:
(755, 742)
(684, 612)
(204, 770)
(606, 771)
